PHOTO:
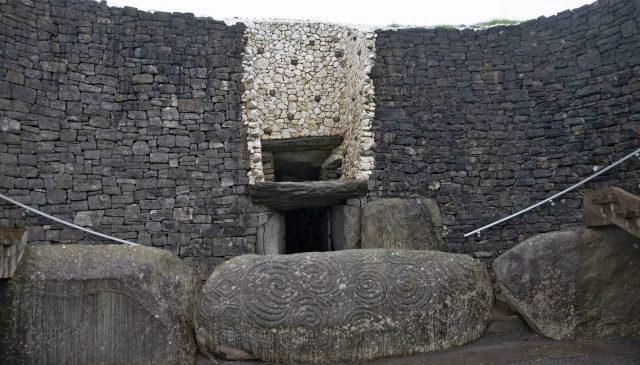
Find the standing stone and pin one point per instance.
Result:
(107, 304)
(413, 224)
(345, 226)
(581, 283)
(270, 236)
(352, 305)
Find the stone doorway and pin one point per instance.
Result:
(307, 230)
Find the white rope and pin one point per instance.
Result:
(65, 222)
(550, 199)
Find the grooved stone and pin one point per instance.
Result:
(579, 283)
(107, 304)
(352, 305)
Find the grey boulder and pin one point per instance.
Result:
(413, 224)
(107, 304)
(582, 283)
(351, 305)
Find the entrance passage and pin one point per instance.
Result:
(307, 230)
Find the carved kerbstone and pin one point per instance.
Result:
(111, 304)
(351, 305)
(579, 283)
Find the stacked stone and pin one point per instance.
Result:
(359, 106)
(127, 122)
(491, 121)
(308, 79)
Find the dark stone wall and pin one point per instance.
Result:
(488, 122)
(127, 122)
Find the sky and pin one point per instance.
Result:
(363, 12)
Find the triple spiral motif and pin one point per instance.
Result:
(368, 288)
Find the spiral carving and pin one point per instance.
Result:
(271, 292)
(395, 257)
(370, 287)
(320, 277)
(311, 312)
(365, 319)
(408, 291)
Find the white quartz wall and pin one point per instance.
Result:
(309, 79)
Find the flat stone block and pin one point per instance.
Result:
(413, 224)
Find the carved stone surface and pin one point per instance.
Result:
(412, 224)
(111, 304)
(580, 283)
(352, 305)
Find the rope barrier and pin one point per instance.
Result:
(65, 222)
(551, 198)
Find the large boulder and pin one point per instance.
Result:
(110, 304)
(582, 283)
(413, 224)
(351, 305)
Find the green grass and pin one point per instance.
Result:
(492, 22)
(488, 23)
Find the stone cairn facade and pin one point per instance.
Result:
(309, 79)
(126, 122)
(149, 126)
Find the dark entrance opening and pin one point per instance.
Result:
(307, 230)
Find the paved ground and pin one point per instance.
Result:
(511, 343)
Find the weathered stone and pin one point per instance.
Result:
(103, 304)
(140, 148)
(352, 305)
(182, 214)
(270, 236)
(13, 242)
(345, 227)
(291, 195)
(9, 125)
(142, 79)
(101, 201)
(579, 283)
(190, 106)
(88, 218)
(402, 223)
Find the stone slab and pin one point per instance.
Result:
(108, 304)
(413, 224)
(351, 305)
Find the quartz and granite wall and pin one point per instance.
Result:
(148, 126)
(490, 121)
(309, 79)
(126, 122)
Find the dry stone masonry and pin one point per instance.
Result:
(126, 122)
(150, 126)
(309, 79)
(487, 122)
